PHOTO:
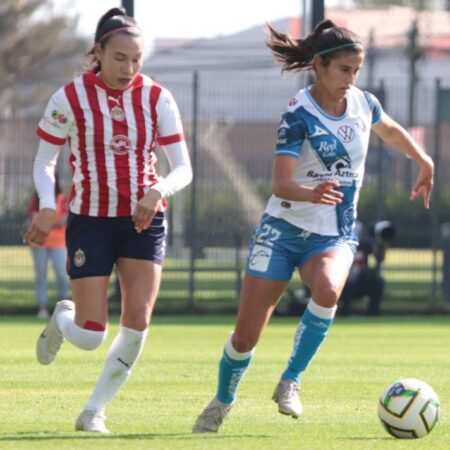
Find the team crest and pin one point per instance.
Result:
(120, 144)
(79, 258)
(117, 113)
(360, 126)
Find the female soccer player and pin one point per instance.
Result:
(309, 220)
(112, 117)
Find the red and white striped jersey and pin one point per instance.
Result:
(111, 135)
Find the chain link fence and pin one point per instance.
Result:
(231, 113)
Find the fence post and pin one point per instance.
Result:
(435, 197)
(237, 259)
(193, 212)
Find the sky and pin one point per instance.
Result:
(187, 18)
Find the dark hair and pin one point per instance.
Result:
(298, 54)
(114, 20)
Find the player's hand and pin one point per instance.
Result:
(325, 193)
(40, 227)
(146, 209)
(424, 182)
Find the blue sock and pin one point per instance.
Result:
(310, 334)
(231, 370)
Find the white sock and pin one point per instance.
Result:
(80, 337)
(122, 356)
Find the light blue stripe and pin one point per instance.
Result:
(285, 152)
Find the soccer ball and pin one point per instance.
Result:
(409, 409)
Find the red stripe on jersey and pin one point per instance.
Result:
(167, 140)
(99, 147)
(49, 138)
(155, 92)
(122, 165)
(136, 96)
(72, 97)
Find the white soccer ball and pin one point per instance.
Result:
(409, 409)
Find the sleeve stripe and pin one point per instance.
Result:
(167, 140)
(286, 152)
(49, 138)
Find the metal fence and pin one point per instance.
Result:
(231, 139)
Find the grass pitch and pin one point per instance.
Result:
(176, 376)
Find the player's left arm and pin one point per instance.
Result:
(396, 137)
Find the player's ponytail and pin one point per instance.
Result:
(326, 40)
(113, 21)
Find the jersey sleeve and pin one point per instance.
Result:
(170, 127)
(375, 107)
(55, 124)
(290, 135)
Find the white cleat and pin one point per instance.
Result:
(51, 339)
(92, 422)
(212, 417)
(286, 395)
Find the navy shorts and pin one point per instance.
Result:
(278, 247)
(95, 243)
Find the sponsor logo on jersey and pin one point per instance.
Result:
(346, 133)
(327, 149)
(79, 258)
(120, 144)
(59, 117)
(341, 163)
(292, 102)
(318, 132)
(345, 177)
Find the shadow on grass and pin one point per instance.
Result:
(50, 436)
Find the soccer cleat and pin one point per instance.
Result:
(286, 395)
(91, 421)
(212, 417)
(51, 339)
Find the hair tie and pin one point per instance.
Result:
(122, 28)
(339, 47)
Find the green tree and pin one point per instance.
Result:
(37, 51)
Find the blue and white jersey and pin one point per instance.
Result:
(327, 147)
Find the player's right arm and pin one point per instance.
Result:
(285, 187)
(291, 135)
(44, 180)
(53, 131)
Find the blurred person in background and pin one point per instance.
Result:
(364, 279)
(112, 117)
(53, 249)
(309, 221)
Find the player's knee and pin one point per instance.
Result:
(326, 295)
(137, 318)
(91, 336)
(243, 344)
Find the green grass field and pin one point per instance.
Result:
(408, 274)
(177, 373)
